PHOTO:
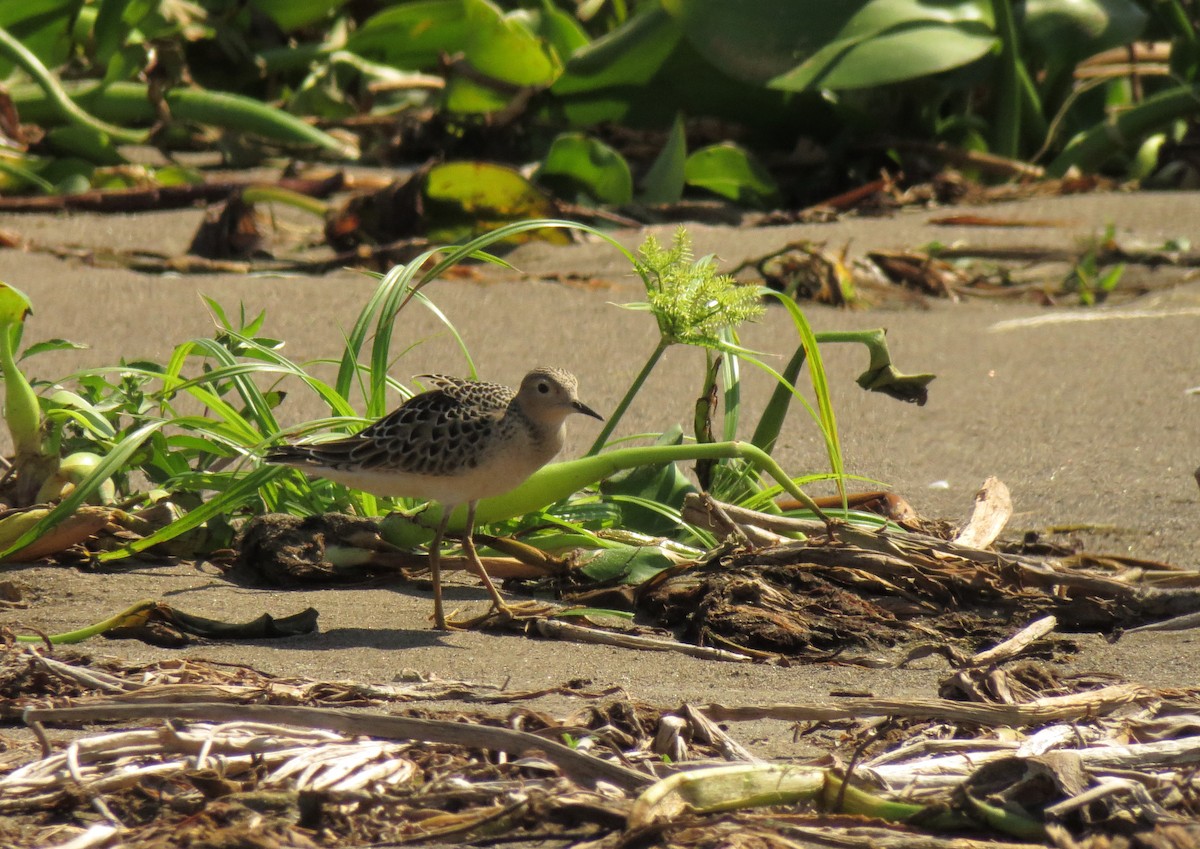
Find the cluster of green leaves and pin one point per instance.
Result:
(1088, 278)
(692, 303)
(981, 74)
(191, 429)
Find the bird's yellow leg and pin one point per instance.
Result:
(435, 570)
(501, 611)
(498, 604)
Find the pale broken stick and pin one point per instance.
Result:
(1016, 644)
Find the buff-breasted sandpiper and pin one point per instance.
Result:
(457, 443)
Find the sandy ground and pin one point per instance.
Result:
(1088, 421)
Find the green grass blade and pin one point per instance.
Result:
(820, 383)
(229, 501)
(257, 406)
(770, 424)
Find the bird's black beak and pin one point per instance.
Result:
(581, 407)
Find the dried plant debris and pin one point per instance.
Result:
(276, 549)
(1040, 761)
(32, 677)
(862, 592)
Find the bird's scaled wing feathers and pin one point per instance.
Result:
(440, 432)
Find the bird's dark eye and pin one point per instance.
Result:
(543, 387)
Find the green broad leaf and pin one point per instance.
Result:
(577, 163)
(50, 345)
(559, 30)
(660, 484)
(14, 304)
(645, 71)
(730, 171)
(628, 56)
(12, 15)
(645, 493)
(892, 57)
(664, 181)
(178, 175)
(126, 62)
(627, 564)
(43, 27)
(115, 19)
(293, 14)
(466, 96)
(413, 35)
(466, 198)
(503, 47)
(849, 44)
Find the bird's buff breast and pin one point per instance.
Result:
(495, 476)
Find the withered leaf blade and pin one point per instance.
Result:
(913, 388)
(169, 627)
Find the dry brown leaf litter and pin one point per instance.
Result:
(1089, 757)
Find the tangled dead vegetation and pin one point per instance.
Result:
(201, 754)
(869, 597)
(1009, 752)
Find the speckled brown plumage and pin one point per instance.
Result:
(457, 443)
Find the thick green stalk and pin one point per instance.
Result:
(1006, 124)
(278, 194)
(874, 340)
(129, 102)
(33, 461)
(21, 409)
(61, 102)
(633, 390)
(561, 480)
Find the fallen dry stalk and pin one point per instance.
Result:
(577, 765)
(1076, 706)
(303, 760)
(566, 631)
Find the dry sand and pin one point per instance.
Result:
(1089, 422)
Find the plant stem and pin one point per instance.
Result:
(874, 340)
(21, 409)
(66, 108)
(560, 480)
(1006, 129)
(278, 194)
(634, 388)
(137, 612)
